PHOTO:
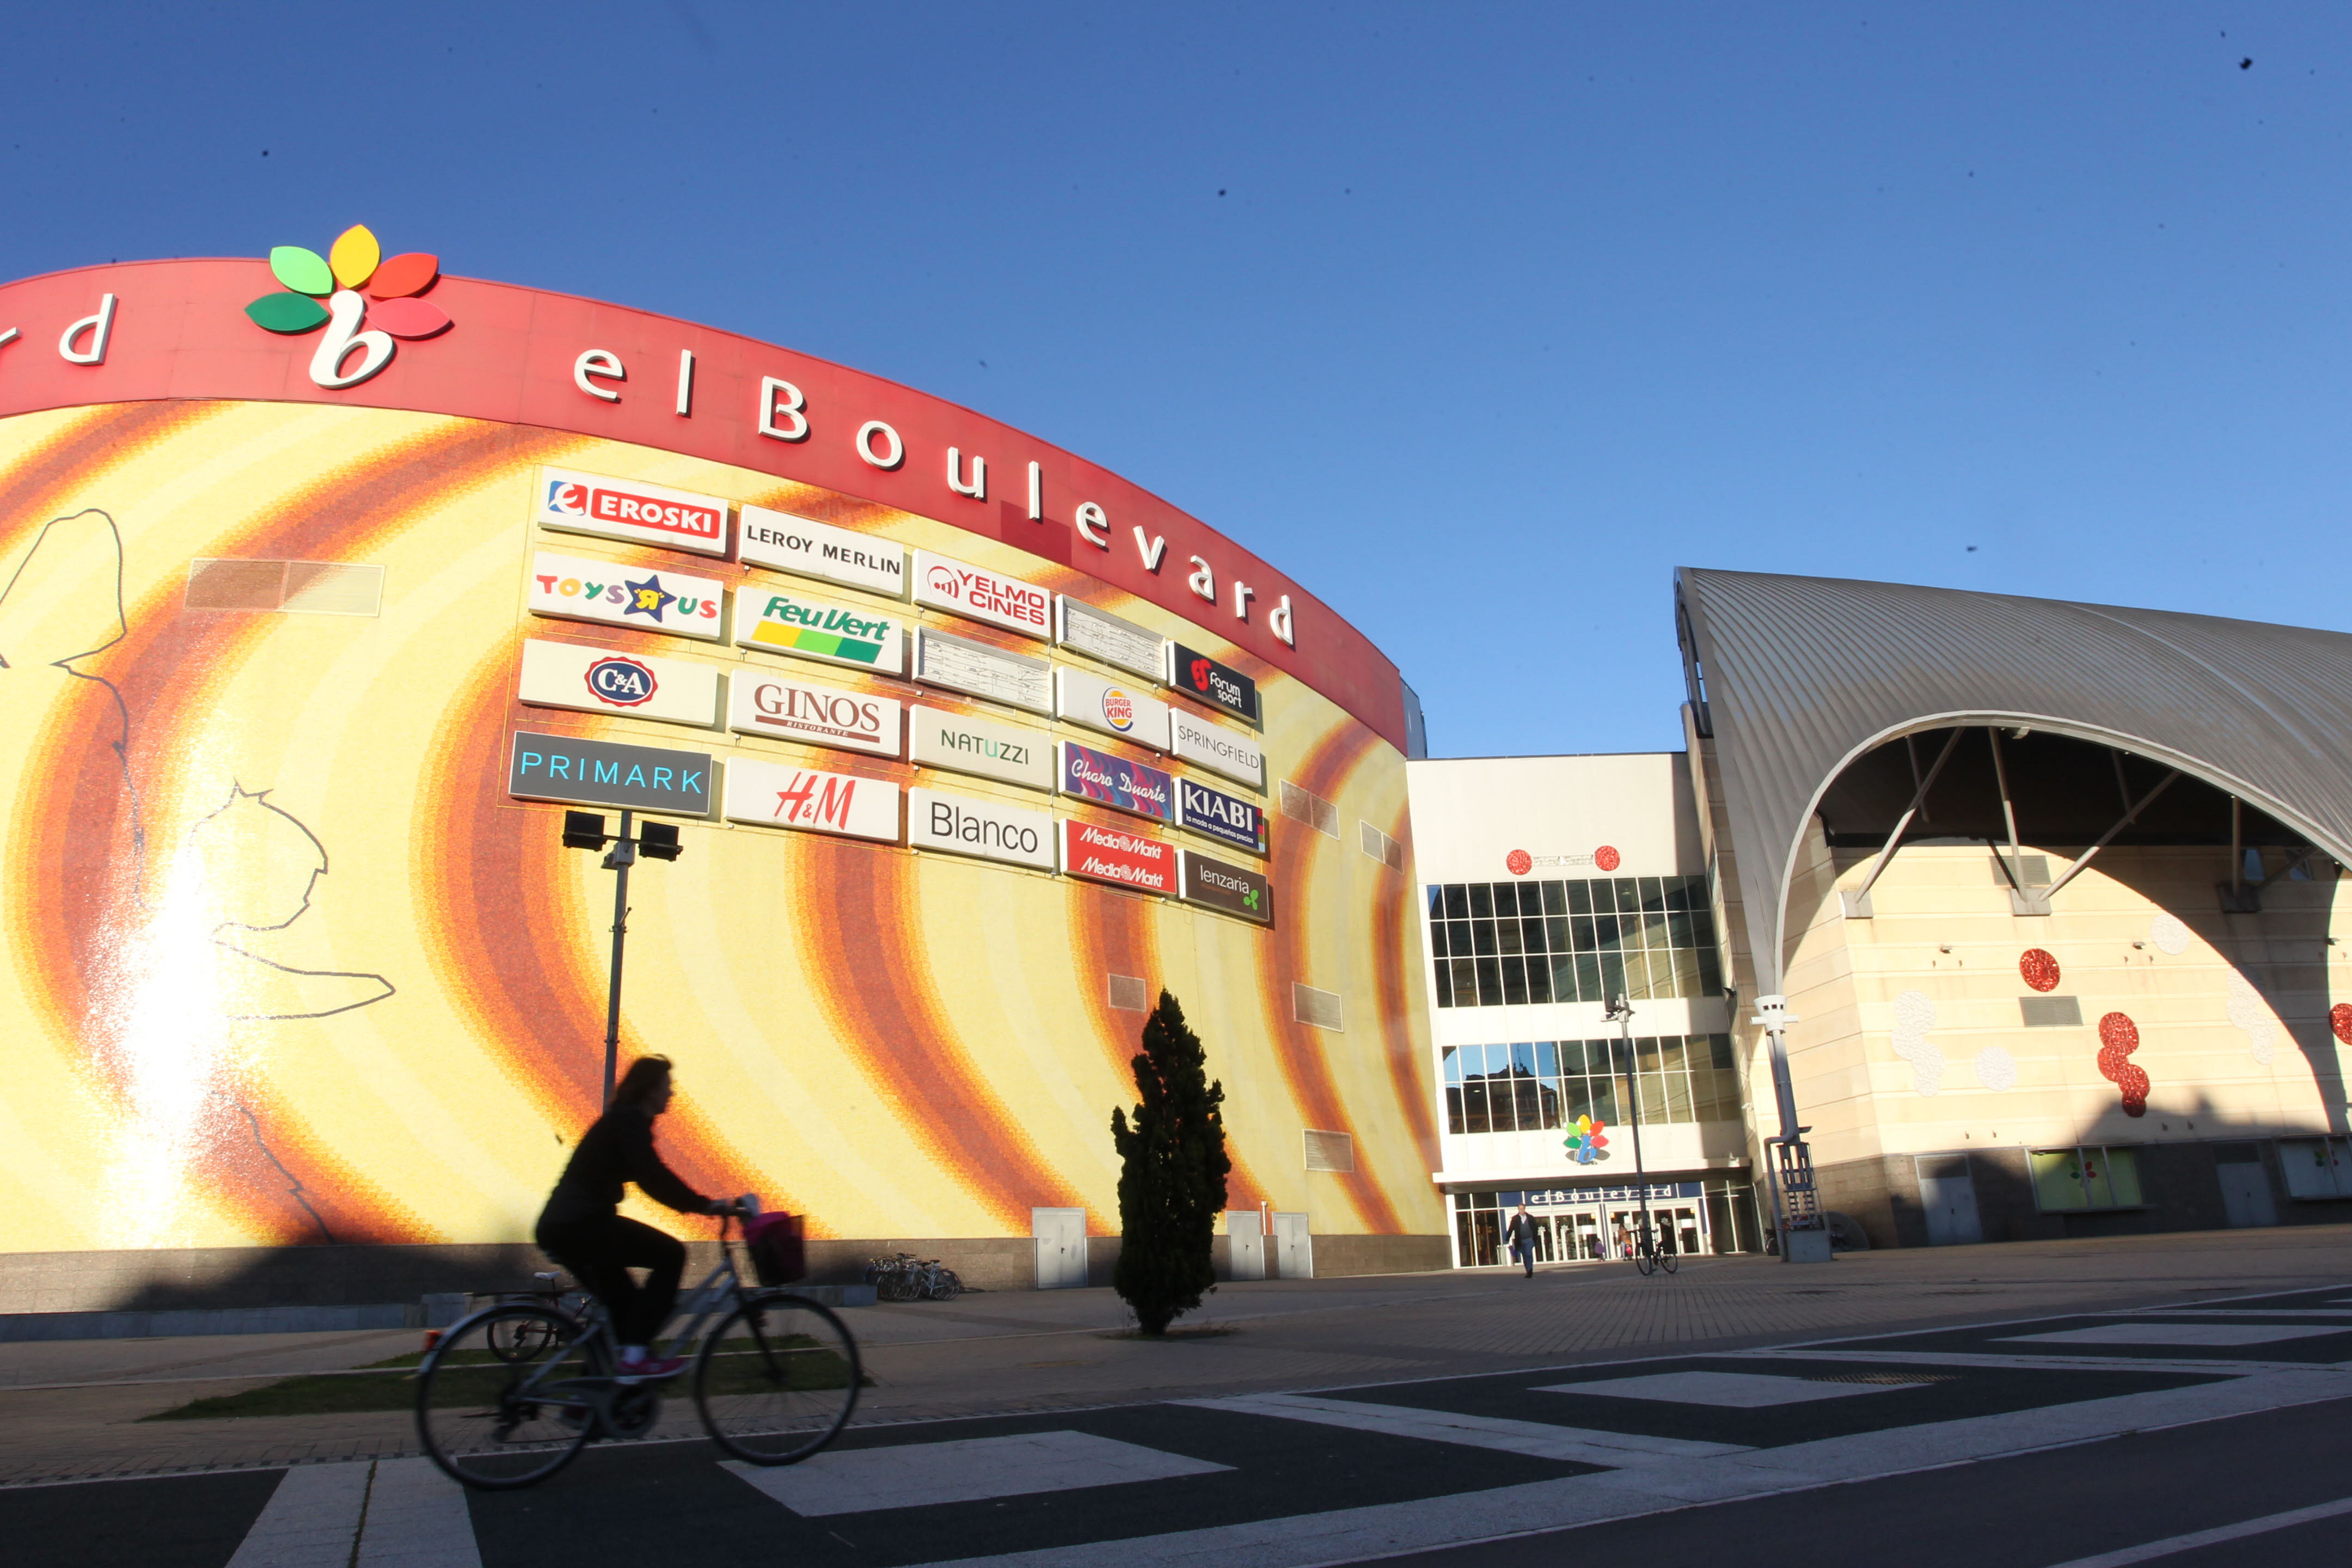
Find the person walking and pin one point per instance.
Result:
(1522, 1240)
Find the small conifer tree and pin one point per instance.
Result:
(1171, 1180)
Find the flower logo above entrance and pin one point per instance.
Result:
(357, 322)
(1585, 1142)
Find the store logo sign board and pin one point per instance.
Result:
(1116, 642)
(1220, 686)
(968, 590)
(1119, 708)
(1113, 855)
(1235, 889)
(1214, 814)
(966, 745)
(644, 599)
(962, 825)
(977, 669)
(1218, 749)
(1117, 783)
(598, 773)
(813, 549)
(600, 680)
(758, 703)
(623, 509)
(781, 621)
(781, 794)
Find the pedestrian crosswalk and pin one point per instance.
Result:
(1295, 1477)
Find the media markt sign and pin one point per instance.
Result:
(643, 598)
(623, 509)
(781, 621)
(1235, 889)
(1114, 855)
(784, 795)
(964, 825)
(598, 773)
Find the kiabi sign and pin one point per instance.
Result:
(1214, 814)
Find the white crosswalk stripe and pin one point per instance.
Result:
(310, 1521)
(1534, 1439)
(974, 1470)
(417, 1518)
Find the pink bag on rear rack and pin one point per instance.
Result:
(779, 1254)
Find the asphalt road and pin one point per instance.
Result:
(2033, 1443)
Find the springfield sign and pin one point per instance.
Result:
(1217, 749)
(813, 549)
(644, 598)
(623, 509)
(1114, 855)
(598, 773)
(784, 622)
(948, 584)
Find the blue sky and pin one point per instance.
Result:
(1478, 321)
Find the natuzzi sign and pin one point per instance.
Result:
(178, 329)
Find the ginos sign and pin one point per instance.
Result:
(820, 715)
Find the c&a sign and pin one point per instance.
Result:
(644, 599)
(625, 508)
(601, 681)
(1114, 855)
(1117, 783)
(782, 794)
(763, 704)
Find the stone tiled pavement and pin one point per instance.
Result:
(1026, 1352)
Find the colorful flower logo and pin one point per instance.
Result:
(1585, 1142)
(369, 299)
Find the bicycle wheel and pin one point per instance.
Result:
(495, 1422)
(777, 1380)
(1644, 1260)
(1670, 1259)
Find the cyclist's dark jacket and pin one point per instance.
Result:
(617, 1151)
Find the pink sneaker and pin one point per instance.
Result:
(652, 1369)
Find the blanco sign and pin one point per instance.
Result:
(945, 584)
(781, 794)
(600, 680)
(1217, 749)
(815, 548)
(966, 745)
(625, 508)
(644, 599)
(977, 669)
(1116, 707)
(758, 703)
(962, 825)
(1110, 639)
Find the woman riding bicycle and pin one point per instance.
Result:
(583, 1229)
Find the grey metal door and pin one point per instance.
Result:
(1949, 1200)
(1294, 1249)
(1061, 1237)
(2245, 1184)
(1247, 1237)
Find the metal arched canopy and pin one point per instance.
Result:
(1799, 677)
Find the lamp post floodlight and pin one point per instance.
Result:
(1621, 1012)
(659, 841)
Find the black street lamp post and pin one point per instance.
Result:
(658, 840)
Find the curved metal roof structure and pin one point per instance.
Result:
(1801, 676)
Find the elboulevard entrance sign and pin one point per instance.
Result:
(599, 773)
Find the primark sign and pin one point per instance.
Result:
(599, 773)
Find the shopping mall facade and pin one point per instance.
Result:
(332, 584)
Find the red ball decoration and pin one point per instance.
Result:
(2041, 970)
(2118, 1038)
(1605, 857)
(1520, 862)
(2339, 1018)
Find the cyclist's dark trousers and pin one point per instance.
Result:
(600, 1252)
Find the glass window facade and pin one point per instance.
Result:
(1511, 943)
(1595, 1223)
(2069, 1181)
(1533, 1086)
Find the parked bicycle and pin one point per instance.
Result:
(511, 1393)
(1655, 1249)
(907, 1277)
(520, 1339)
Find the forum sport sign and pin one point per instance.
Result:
(601, 680)
(598, 773)
(623, 509)
(1116, 856)
(784, 795)
(758, 703)
(1220, 686)
(643, 598)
